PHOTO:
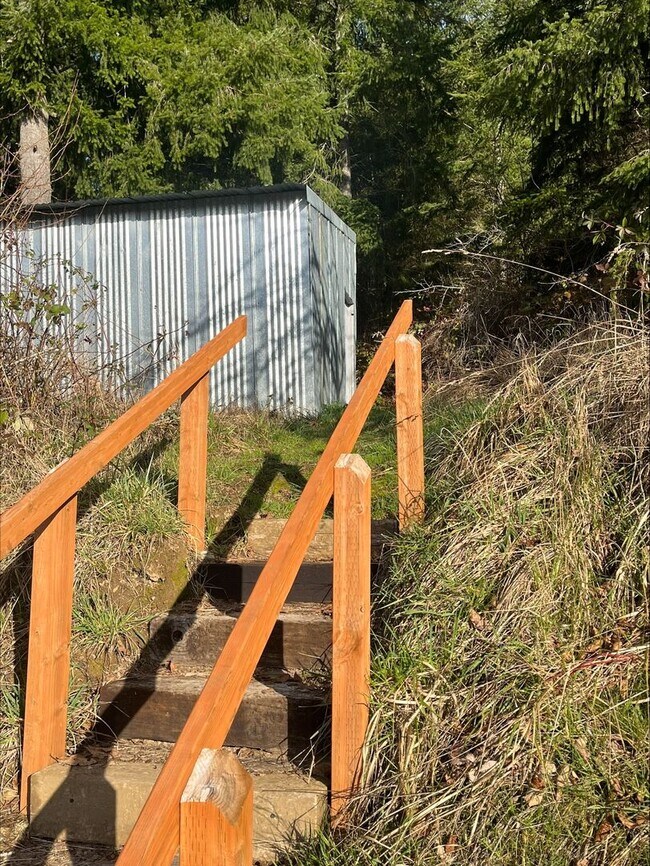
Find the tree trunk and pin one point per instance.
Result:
(341, 24)
(345, 183)
(34, 156)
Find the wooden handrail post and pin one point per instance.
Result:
(410, 433)
(193, 460)
(351, 624)
(48, 660)
(216, 821)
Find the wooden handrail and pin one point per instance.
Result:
(49, 511)
(57, 488)
(155, 835)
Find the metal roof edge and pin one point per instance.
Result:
(82, 204)
(316, 201)
(313, 199)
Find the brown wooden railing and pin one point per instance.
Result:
(156, 834)
(49, 511)
(172, 816)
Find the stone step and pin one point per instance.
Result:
(283, 714)
(99, 805)
(263, 533)
(233, 582)
(300, 639)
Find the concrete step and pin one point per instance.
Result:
(263, 533)
(281, 714)
(99, 804)
(232, 582)
(300, 639)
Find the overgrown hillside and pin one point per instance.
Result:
(510, 670)
(510, 664)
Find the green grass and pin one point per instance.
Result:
(259, 461)
(139, 504)
(102, 627)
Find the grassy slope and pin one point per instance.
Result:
(510, 681)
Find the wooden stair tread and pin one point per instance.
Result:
(301, 638)
(234, 581)
(273, 714)
(100, 803)
(263, 533)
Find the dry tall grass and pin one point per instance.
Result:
(510, 679)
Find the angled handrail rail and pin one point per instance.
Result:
(49, 511)
(155, 835)
(23, 518)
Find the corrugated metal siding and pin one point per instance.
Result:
(174, 270)
(333, 275)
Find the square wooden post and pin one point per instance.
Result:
(193, 460)
(351, 624)
(216, 822)
(410, 433)
(50, 628)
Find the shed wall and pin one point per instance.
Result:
(173, 271)
(333, 281)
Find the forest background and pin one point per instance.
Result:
(502, 130)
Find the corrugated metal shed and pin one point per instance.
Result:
(172, 270)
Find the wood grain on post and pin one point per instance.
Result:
(154, 837)
(216, 813)
(351, 624)
(48, 660)
(193, 460)
(410, 433)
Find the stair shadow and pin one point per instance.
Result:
(152, 659)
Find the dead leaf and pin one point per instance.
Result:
(603, 831)
(625, 821)
(481, 770)
(451, 845)
(581, 748)
(75, 761)
(476, 620)
(616, 786)
(594, 646)
(533, 798)
(565, 777)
